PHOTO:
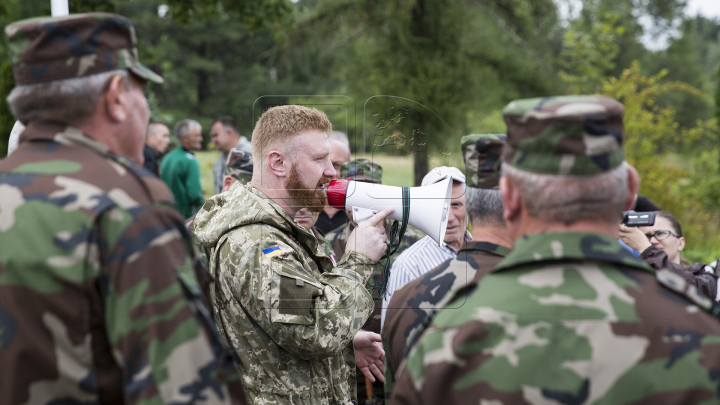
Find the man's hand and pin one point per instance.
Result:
(369, 238)
(369, 354)
(634, 237)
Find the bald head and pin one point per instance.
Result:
(339, 153)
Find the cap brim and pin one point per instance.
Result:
(147, 74)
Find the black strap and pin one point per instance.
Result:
(394, 233)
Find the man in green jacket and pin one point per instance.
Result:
(292, 315)
(181, 171)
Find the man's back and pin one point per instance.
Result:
(181, 171)
(417, 301)
(567, 318)
(99, 299)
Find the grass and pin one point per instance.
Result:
(206, 159)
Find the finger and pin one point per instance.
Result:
(366, 372)
(375, 370)
(374, 337)
(379, 217)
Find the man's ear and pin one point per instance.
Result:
(512, 199)
(228, 181)
(116, 100)
(633, 185)
(278, 163)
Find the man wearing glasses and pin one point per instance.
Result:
(181, 171)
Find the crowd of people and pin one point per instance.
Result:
(120, 282)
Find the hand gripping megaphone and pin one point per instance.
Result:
(425, 208)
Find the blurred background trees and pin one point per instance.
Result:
(416, 75)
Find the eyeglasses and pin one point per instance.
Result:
(660, 235)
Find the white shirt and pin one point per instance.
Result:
(421, 257)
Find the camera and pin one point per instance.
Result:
(632, 218)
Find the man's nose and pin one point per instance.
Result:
(330, 171)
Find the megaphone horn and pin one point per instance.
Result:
(429, 205)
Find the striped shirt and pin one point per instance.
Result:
(423, 256)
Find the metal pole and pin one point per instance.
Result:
(59, 8)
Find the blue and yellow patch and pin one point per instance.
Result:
(272, 251)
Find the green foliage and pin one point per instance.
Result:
(588, 55)
(651, 134)
(252, 14)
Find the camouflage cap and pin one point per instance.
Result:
(362, 170)
(239, 165)
(481, 153)
(44, 49)
(568, 135)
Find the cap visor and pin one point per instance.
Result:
(147, 74)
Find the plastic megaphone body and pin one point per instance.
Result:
(428, 206)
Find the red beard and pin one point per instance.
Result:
(309, 197)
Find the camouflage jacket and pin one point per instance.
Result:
(288, 312)
(568, 318)
(99, 294)
(415, 303)
(339, 238)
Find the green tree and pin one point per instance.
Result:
(437, 60)
(652, 134)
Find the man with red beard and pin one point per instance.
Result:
(291, 314)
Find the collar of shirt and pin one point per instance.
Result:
(467, 237)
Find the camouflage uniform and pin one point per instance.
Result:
(99, 293)
(414, 304)
(288, 312)
(239, 165)
(567, 317)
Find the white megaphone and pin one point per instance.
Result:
(429, 205)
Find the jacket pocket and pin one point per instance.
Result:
(293, 297)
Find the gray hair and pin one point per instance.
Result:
(568, 199)
(185, 126)
(154, 127)
(70, 100)
(340, 137)
(484, 207)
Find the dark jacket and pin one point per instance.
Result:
(151, 160)
(696, 275)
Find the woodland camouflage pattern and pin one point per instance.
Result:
(99, 293)
(52, 48)
(289, 314)
(362, 170)
(239, 165)
(567, 135)
(414, 304)
(568, 318)
(481, 154)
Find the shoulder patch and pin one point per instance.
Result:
(189, 155)
(272, 251)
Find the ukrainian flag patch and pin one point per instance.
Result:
(272, 251)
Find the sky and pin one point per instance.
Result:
(708, 8)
